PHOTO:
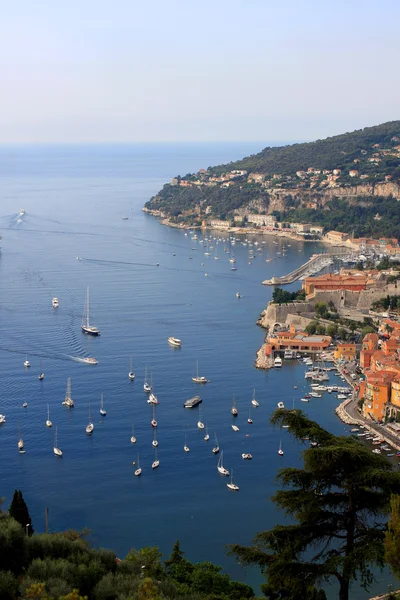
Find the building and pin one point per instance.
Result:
(259, 219)
(238, 218)
(331, 282)
(337, 236)
(219, 223)
(299, 341)
(368, 348)
(376, 391)
(345, 351)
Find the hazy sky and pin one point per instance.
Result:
(150, 70)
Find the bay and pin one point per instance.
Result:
(74, 234)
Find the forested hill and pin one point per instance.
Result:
(298, 183)
(337, 152)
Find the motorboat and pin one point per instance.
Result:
(235, 428)
(22, 211)
(89, 361)
(174, 341)
(27, 363)
(55, 302)
(281, 405)
(247, 456)
(2, 419)
(277, 362)
(304, 400)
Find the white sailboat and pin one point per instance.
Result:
(86, 326)
(232, 486)
(131, 374)
(48, 422)
(197, 378)
(234, 410)
(146, 386)
(133, 439)
(20, 441)
(250, 420)
(216, 447)
(186, 447)
(280, 451)
(103, 412)
(200, 423)
(139, 468)
(206, 437)
(90, 425)
(26, 362)
(41, 374)
(235, 428)
(68, 399)
(56, 449)
(152, 399)
(153, 421)
(253, 400)
(220, 467)
(156, 462)
(154, 443)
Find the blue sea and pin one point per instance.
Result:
(147, 282)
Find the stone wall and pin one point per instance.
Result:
(278, 313)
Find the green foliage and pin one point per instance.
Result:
(8, 586)
(389, 302)
(337, 503)
(19, 511)
(332, 329)
(13, 552)
(321, 308)
(311, 328)
(392, 536)
(280, 296)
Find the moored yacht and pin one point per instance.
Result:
(174, 341)
(277, 362)
(55, 302)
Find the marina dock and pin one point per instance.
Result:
(315, 264)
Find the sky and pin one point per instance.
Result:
(90, 71)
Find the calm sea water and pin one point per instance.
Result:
(75, 199)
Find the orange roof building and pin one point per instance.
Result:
(297, 340)
(376, 391)
(331, 282)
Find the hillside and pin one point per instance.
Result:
(360, 169)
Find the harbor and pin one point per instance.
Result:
(313, 265)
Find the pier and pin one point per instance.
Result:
(314, 264)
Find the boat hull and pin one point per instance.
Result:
(90, 330)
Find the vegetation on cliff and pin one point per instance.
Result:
(301, 179)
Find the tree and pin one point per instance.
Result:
(8, 586)
(311, 328)
(320, 329)
(19, 511)
(392, 537)
(342, 333)
(338, 503)
(332, 330)
(176, 556)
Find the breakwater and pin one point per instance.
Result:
(312, 266)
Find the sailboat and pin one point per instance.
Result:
(26, 362)
(206, 437)
(20, 441)
(249, 420)
(216, 447)
(68, 400)
(280, 451)
(156, 462)
(186, 447)
(41, 374)
(200, 423)
(146, 386)
(139, 469)
(48, 422)
(133, 439)
(103, 412)
(253, 400)
(231, 485)
(154, 443)
(220, 467)
(56, 449)
(153, 421)
(86, 326)
(131, 374)
(198, 379)
(90, 425)
(238, 294)
(234, 410)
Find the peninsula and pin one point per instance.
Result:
(345, 184)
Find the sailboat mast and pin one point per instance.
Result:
(87, 306)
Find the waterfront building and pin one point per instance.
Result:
(346, 351)
(376, 391)
(331, 282)
(368, 348)
(337, 236)
(299, 341)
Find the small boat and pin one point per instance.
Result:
(56, 449)
(233, 268)
(192, 402)
(249, 420)
(277, 362)
(280, 451)
(139, 469)
(20, 441)
(154, 443)
(234, 410)
(131, 374)
(281, 405)
(48, 422)
(146, 386)
(315, 395)
(216, 447)
(68, 397)
(220, 467)
(235, 428)
(200, 423)
(174, 341)
(103, 412)
(238, 293)
(153, 421)
(341, 397)
(2, 419)
(304, 400)
(197, 378)
(86, 326)
(41, 375)
(355, 429)
(25, 404)
(133, 439)
(232, 486)
(26, 362)
(253, 400)
(186, 447)
(90, 425)
(90, 361)
(247, 456)
(206, 437)
(22, 211)
(55, 302)
(152, 399)
(156, 462)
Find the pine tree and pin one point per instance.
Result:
(338, 504)
(19, 511)
(176, 555)
(392, 537)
